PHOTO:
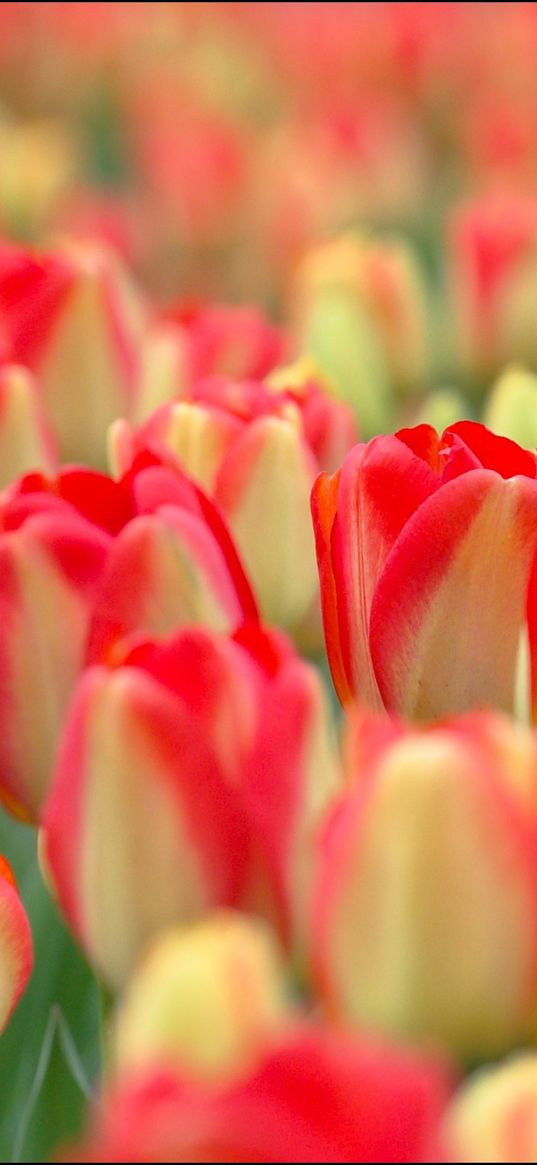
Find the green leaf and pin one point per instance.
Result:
(62, 994)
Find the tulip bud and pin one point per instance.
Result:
(425, 548)
(16, 953)
(72, 318)
(83, 561)
(494, 281)
(425, 914)
(173, 565)
(360, 310)
(51, 556)
(206, 999)
(25, 442)
(317, 1096)
(443, 407)
(494, 1116)
(221, 745)
(255, 450)
(511, 408)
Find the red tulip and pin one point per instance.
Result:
(425, 548)
(424, 919)
(192, 774)
(316, 1097)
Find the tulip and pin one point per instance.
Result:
(360, 310)
(51, 556)
(255, 449)
(192, 774)
(493, 281)
(318, 1096)
(38, 160)
(174, 564)
(511, 408)
(424, 915)
(206, 1000)
(84, 560)
(425, 548)
(16, 953)
(494, 1116)
(72, 317)
(25, 440)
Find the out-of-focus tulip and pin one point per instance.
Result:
(494, 283)
(72, 316)
(425, 915)
(51, 555)
(425, 547)
(25, 440)
(441, 408)
(494, 1117)
(84, 560)
(255, 449)
(318, 1096)
(227, 340)
(37, 163)
(173, 564)
(197, 341)
(360, 310)
(206, 1000)
(16, 951)
(222, 747)
(511, 408)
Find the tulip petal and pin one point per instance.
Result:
(16, 953)
(451, 602)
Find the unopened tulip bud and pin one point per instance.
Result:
(193, 774)
(360, 310)
(425, 546)
(494, 283)
(441, 408)
(73, 318)
(16, 952)
(256, 450)
(206, 999)
(511, 408)
(425, 916)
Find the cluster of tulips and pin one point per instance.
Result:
(268, 570)
(312, 927)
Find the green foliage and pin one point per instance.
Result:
(62, 995)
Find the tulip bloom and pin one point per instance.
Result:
(83, 560)
(494, 268)
(71, 316)
(494, 1116)
(192, 774)
(360, 310)
(317, 1096)
(206, 1000)
(256, 450)
(425, 913)
(425, 548)
(16, 953)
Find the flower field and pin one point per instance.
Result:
(268, 582)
